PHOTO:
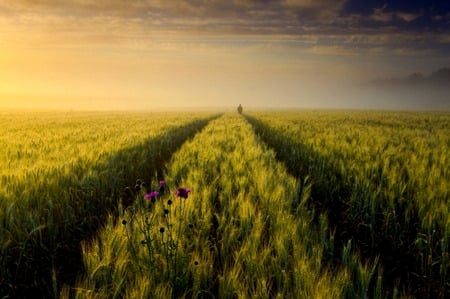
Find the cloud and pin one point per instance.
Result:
(349, 24)
(381, 16)
(407, 17)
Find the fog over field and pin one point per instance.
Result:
(150, 54)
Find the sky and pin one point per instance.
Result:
(152, 54)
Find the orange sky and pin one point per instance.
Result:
(87, 54)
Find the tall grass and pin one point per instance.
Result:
(242, 232)
(383, 179)
(60, 173)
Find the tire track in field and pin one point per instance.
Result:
(244, 208)
(329, 191)
(39, 266)
(330, 195)
(152, 157)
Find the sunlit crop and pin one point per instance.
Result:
(61, 173)
(302, 204)
(383, 178)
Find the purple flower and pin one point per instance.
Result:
(162, 186)
(182, 192)
(151, 195)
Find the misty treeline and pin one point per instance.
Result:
(438, 78)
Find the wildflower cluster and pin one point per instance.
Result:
(154, 228)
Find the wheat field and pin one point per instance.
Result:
(300, 204)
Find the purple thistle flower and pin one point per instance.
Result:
(182, 192)
(151, 195)
(162, 186)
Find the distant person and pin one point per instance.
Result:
(239, 109)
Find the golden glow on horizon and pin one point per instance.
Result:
(55, 54)
(163, 72)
